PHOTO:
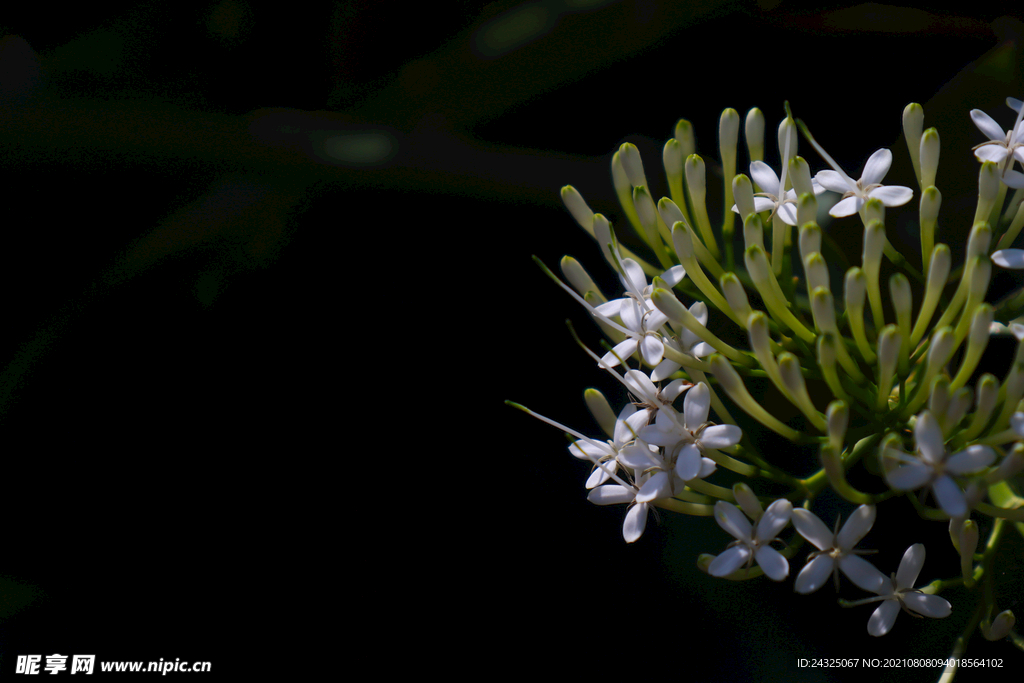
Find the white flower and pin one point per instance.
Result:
(604, 454)
(686, 440)
(899, 592)
(932, 467)
(771, 196)
(689, 344)
(639, 316)
(1002, 147)
(636, 518)
(856, 193)
(752, 542)
(835, 551)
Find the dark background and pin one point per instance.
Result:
(253, 394)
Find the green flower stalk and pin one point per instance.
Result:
(905, 411)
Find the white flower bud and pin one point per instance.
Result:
(670, 212)
(787, 132)
(1001, 626)
(735, 295)
(816, 272)
(889, 342)
(929, 157)
(579, 278)
(939, 398)
(838, 416)
(874, 210)
(645, 209)
(672, 158)
(684, 134)
(743, 193)
(634, 167)
(602, 411)
(753, 232)
(913, 125)
(578, 208)
(729, 132)
(810, 240)
(747, 501)
(800, 174)
(754, 134)
(682, 241)
(806, 209)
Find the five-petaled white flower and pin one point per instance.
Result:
(636, 518)
(771, 197)
(686, 441)
(752, 542)
(898, 592)
(835, 551)
(1002, 147)
(932, 467)
(639, 316)
(857, 192)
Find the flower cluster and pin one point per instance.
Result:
(893, 393)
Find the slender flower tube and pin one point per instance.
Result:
(968, 545)
(913, 127)
(977, 341)
(929, 157)
(696, 184)
(733, 385)
(855, 290)
(827, 362)
(889, 342)
(825, 319)
(753, 133)
(899, 291)
(931, 200)
(768, 287)
(938, 271)
(871, 263)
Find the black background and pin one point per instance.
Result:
(254, 402)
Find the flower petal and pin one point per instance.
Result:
(862, 573)
(611, 494)
(909, 477)
(876, 167)
(730, 518)
(883, 618)
(635, 523)
(774, 520)
(765, 178)
(987, 125)
(729, 561)
(688, 462)
(1009, 258)
(892, 195)
(928, 437)
(846, 207)
(721, 436)
(814, 574)
(810, 526)
(949, 496)
(696, 406)
(927, 605)
(658, 486)
(775, 566)
(970, 460)
(856, 527)
(994, 153)
(910, 566)
(832, 181)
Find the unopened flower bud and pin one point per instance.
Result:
(968, 545)
(578, 208)
(602, 411)
(753, 231)
(889, 342)
(855, 289)
(1001, 626)
(899, 291)
(938, 272)
(747, 501)
(838, 416)
(672, 158)
(874, 210)
(806, 208)
(793, 380)
(816, 272)
(579, 278)
(787, 133)
(939, 398)
(684, 134)
(743, 194)
(931, 200)
(988, 190)
(874, 243)
(634, 167)
(929, 157)
(913, 125)
(810, 239)
(753, 132)
(669, 212)
(800, 173)
(735, 295)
